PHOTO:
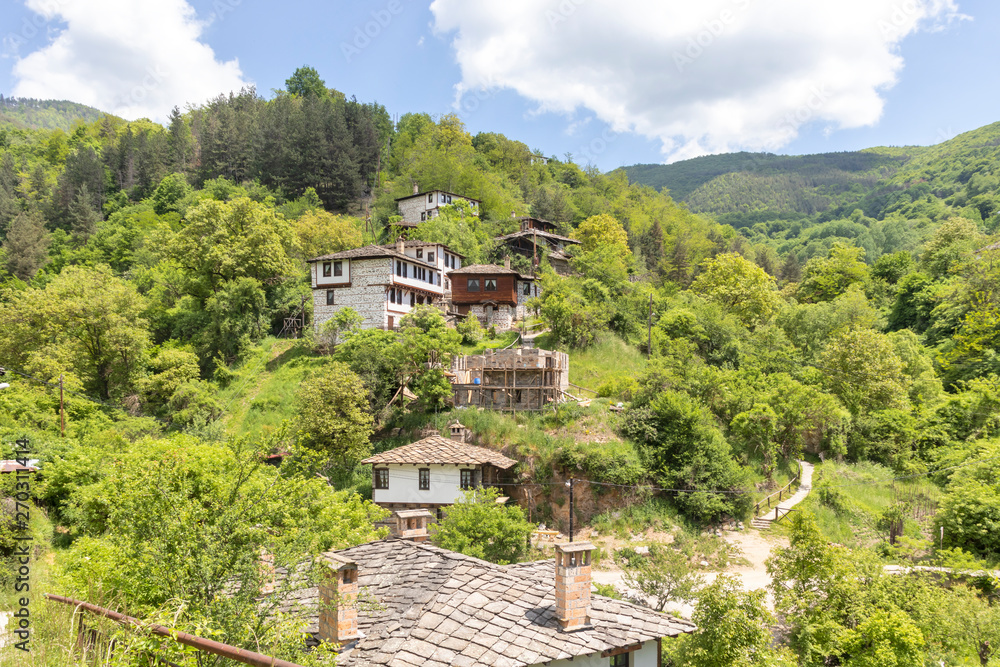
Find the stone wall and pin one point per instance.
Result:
(502, 317)
(411, 208)
(367, 294)
(522, 298)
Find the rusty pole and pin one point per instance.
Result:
(200, 643)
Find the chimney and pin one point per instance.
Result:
(338, 595)
(513, 214)
(266, 562)
(573, 585)
(416, 189)
(412, 525)
(401, 245)
(506, 262)
(457, 431)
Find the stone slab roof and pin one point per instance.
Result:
(423, 244)
(436, 449)
(427, 192)
(363, 253)
(422, 605)
(488, 269)
(537, 232)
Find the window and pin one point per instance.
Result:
(420, 253)
(442, 198)
(406, 270)
(413, 299)
(430, 198)
(425, 479)
(449, 199)
(472, 284)
(466, 476)
(491, 285)
(338, 268)
(399, 268)
(326, 269)
(329, 297)
(620, 660)
(527, 289)
(423, 217)
(430, 257)
(381, 478)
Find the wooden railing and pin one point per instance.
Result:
(779, 493)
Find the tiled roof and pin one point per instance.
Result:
(434, 607)
(13, 466)
(537, 232)
(363, 253)
(436, 449)
(488, 269)
(423, 244)
(427, 192)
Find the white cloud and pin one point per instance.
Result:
(701, 77)
(133, 58)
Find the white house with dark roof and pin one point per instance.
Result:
(382, 283)
(433, 607)
(422, 206)
(437, 255)
(433, 472)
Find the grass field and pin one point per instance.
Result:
(848, 501)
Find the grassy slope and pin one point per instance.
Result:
(47, 114)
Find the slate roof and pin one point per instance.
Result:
(427, 192)
(363, 253)
(423, 244)
(434, 607)
(488, 269)
(537, 232)
(436, 449)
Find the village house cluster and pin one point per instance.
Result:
(384, 282)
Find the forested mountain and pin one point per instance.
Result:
(840, 307)
(32, 114)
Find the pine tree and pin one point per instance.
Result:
(82, 216)
(26, 245)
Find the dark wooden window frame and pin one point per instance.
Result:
(472, 284)
(338, 268)
(381, 480)
(327, 269)
(467, 478)
(490, 285)
(329, 297)
(425, 478)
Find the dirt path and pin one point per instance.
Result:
(755, 547)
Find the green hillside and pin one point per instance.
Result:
(34, 114)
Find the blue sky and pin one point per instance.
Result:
(612, 82)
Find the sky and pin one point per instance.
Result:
(605, 82)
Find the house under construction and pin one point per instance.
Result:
(514, 380)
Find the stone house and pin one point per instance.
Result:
(433, 472)
(537, 238)
(430, 606)
(438, 255)
(422, 206)
(382, 283)
(497, 295)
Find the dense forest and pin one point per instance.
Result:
(841, 308)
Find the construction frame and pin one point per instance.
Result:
(518, 380)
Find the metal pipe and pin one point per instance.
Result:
(200, 643)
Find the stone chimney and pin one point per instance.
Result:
(513, 214)
(338, 600)
(506, 262)
(266, 562)
(457, 431)
(573, 585)
(416, 189)
(412, 525)
(401, 245)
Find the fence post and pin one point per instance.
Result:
(776, 515)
